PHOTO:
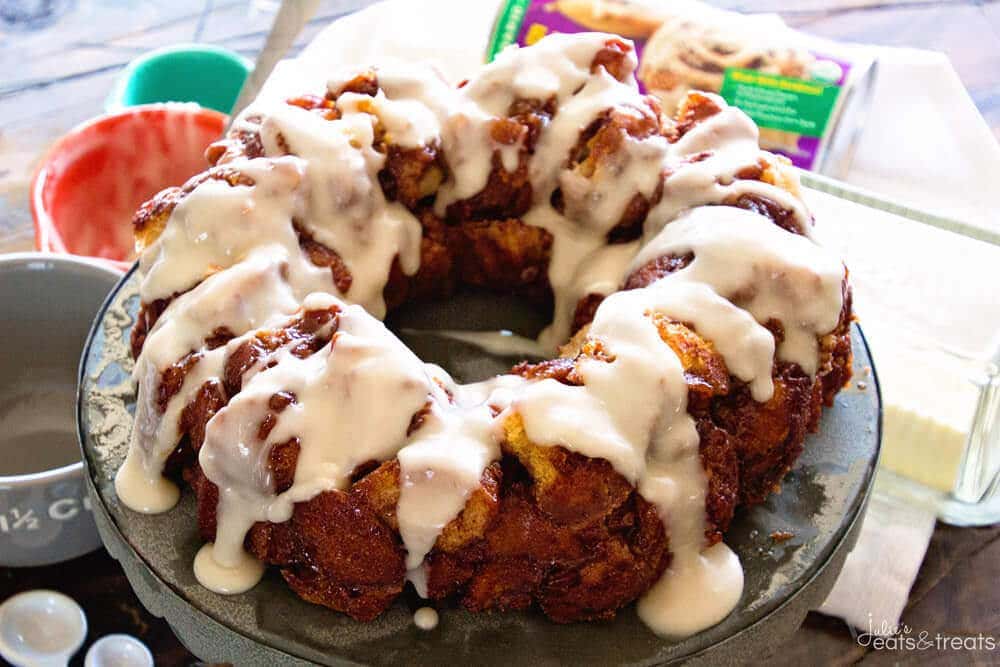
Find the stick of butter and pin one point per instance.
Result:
(928, 407)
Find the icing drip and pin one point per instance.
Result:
(445, 459)
(557, 68)
(252, 294)
(425, 618)
(697, 591)
(243, 298)
(346, 208)
(702, 168)
(601, 270)
(440, 467)
(155, 434)
(337, 415)
(745, 346)
(772, 274)
(230, 258)
(596, 203)
(632, 411)
(411, 104)
(217, 225)
(437, 472)
(241, 576)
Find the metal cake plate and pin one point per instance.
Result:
(820, 504)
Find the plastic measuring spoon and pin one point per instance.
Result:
(41, 629)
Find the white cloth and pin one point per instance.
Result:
(873, 587)
(925, 144)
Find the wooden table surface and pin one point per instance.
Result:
(57, 77)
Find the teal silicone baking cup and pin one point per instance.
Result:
(210, 76)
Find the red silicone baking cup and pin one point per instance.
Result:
(93, 179)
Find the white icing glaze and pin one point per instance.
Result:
(580, 264)
(745, 346)
(632, 412)
(426, 618)
(445, 459)
(142, 492)
(771, 273)
(338, 415)
(245, 297)
(253, 293)
(412, 102)
(438, 470)
(238, 578)
(233, 255)
(557, 68)
(217, 225)
(596, 202)
(155, 434)
(346, 208)
(697, 591)
(731, 141)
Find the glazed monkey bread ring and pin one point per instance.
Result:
(702, 330)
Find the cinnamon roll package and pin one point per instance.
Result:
(807, 95)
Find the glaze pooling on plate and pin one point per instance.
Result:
(230, 260)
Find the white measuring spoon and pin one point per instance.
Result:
(41, 629)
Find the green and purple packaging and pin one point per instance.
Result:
(807, 95)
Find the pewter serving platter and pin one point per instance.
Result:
(820, 504)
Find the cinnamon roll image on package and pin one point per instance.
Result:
(807, 95)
